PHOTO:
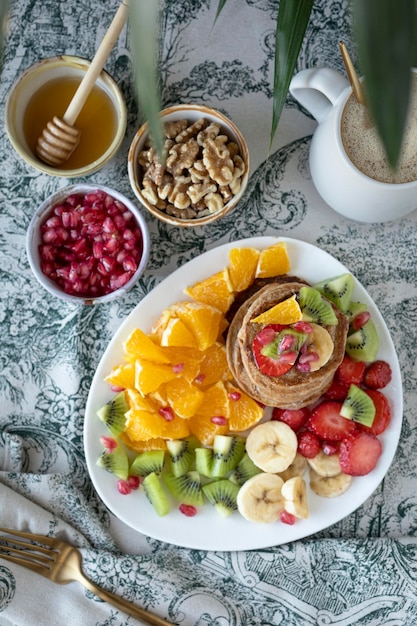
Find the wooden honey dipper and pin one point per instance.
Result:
(60, 137)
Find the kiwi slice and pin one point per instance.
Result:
(363, 344)
(358, 406)
(222, 494)
(154, 491)
(204, 461)
(147, 462)
(227, 452)
(113, 414)
(186, 488)
(181, 454)
(338, 290)
(315, 308)
(116, 462)
(244, 470)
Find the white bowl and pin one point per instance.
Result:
(30, 82)
(33, 240)
(192, 113)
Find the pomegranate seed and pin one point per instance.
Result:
(133, 482)
(53, 222)
(235, 395)
(116, 282)
(266, 335)
(303, 327)
(49, 235)
(178, 368)
(199, 379)
(286, 343)
(108, 442)
(119, 221)
(288, 357)
(123, 487)
(360, 320)
(167, 413)
(304, 367)
(188, 509)
(98, 249)
(129, 264)
(220, 420)
(116, 389)
(109, 226)
(287, 518)
(308, 357)
(47, 252)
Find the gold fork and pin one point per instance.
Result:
(60, 562)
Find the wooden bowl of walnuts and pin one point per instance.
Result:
(205, 172)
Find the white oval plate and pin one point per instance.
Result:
(208, 530)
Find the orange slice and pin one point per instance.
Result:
(273, 261)
(184, 397)
(286, 312)
(143, 425)
(242, 268)
(140, 446)
(205, 430)
(216, 401)
(140, 345)
(137, 402)
(216, 290)
(149, 376)
(212, 416)
(202, 320)
(176, 429)
(245, 412)
(159, 325)
(177, 334)
(122, 376)
(214, 366)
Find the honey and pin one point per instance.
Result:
(97, 120)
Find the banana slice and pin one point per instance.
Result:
(294, 492)
(272, 446)
(325, 464)
(297, 468)
(320, 342)
(329, 486)
(260, 498)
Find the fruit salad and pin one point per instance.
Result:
(182, 430)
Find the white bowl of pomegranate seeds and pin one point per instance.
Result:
(88, 244)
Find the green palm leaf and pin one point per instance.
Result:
(385, 33)
(143, 22)
(4, 10)
(292, 21)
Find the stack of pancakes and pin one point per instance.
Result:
(294, 389)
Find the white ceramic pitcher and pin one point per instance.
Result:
(345, 188)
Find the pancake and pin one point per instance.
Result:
(294, 389)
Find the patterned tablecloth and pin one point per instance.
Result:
(362, 570)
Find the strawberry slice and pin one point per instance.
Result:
(359, 453)
(267, 364)
(382, 412)
(327, 423)
(295, 418)
(377, 375)
(350, 372)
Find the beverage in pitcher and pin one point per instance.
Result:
(364, 148)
